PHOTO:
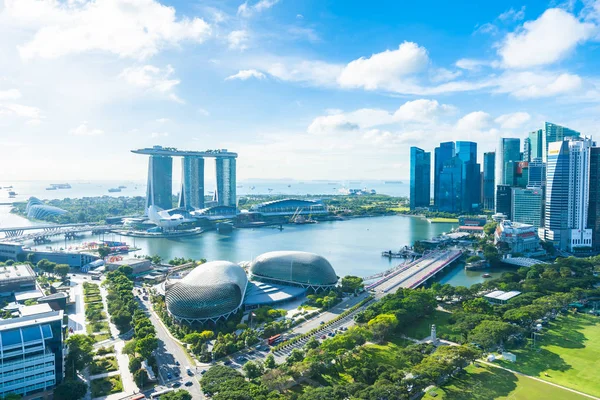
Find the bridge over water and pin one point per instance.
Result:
(18, 234)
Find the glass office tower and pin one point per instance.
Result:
(527, 206)
(535, 144)
(226, 181)
(594, 209)
(160, 182)
(567, 194)
(555, 133)
(537, 173)
(442, 154)
(450, 188)
(471, 176)
(420, 178)
(191, 195)
(504, 200)
(489, 165)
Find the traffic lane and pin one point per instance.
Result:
(328, 315)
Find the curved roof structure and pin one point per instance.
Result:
(209, 292)
(294, 267)
(38, 210)
(288, 204)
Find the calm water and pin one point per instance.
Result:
(353, 247)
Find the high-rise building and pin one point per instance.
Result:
(191, 195)
(594, 210)
(526, 149)
(442, 154)
(567, 194)
(554, 133)
(516, 173)
(160, 182)
(471, 176)
(537, 173)
(504, 200)
(526, 206)
(467, 151)
(420, 178)
(226, 181)
(508, 150)
(489, 165)
(450, 187)
(535, 144)
(31, 352)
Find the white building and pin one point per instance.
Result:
(520, 238)
(567, 194)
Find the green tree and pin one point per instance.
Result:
(270, 361)
(177, 395)
(129, 347)
(103, 251)
(145, 346)
(135, 363)
(62, 270)
(140, 376)
(490, 228)
(477, 306)
(352, 284)
(70, 389)
(253, 369)
(492, 333)
(81, 353)
(382, 326)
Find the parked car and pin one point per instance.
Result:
(189, 383)
(176, 384)
(169, 376)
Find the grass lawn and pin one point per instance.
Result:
(103, 365)
(388, 353)
(440, 219)
(487, 383)
(99, 326)
(422, 328)
(399, 209)
(92, 298)
(101, 336)
(569, 352)
(106, 386)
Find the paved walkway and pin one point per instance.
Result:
(540, 380)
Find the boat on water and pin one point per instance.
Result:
(114, 190)
(392, 182)
(122, 187)
(51, 188)
(61, 185)
(486, 275)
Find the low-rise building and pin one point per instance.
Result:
(500, 296)
(140, 266)
(520, 238)
(16, 278)
(10, 250)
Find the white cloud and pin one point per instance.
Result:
(487, 28)
(246, 10)
(155, 135)
(246, 74)
(153, 79)
(422, 110)
(84, 130)
(526, 85)
(10, 94)
(475, 121)
(203, 111)
(546, 40)
(136, 29)
(471, 64)
(513, 120)
(443, 75)
(21, 111)
(162, 120)
(512, 15)
(238, 40)
(385, 70)
(317, 72)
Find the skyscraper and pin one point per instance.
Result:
(594, 210)
(226, 181)
(471, 176)
(442, 154)
(191, 195)
(508, 150)
(535, 144)
(567, 194)
(516, 173)
(526, 149)
(420, 178)
(450, 188)
(489, 161)
(160, 182)
(554, 133)
(537, 173)
(526, 206)
(467, 151)
(504, 200)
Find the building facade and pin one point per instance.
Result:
(567, 194)
(537, 173)
(504, 200)
(31, 352)
(527, 206)
(554, 133)
(509, 149)
(489, 165)
(226, 182)
(471, 176)
(535, 144)
(516, 173)
(160, 182)
(450, 187)
(191, 195)
(442, 154)
(594, 208)
(519, 238)
(420, 178)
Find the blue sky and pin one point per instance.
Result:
(300, 89)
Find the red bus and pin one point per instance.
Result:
(274, 339)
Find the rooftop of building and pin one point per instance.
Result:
(16, 272)
(31, 319)
(259, 293)
(26, 311)
(28, 295)
(502, 295)
(129, 261)
(54, 296)
(172, 151)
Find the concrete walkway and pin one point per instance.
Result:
(540, 380)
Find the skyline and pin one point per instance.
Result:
(299, 91)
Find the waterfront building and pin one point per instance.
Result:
(37, 209)
(31, 352)
(594, 204)
(420, 178)
(191, 196)
(554, 133)
(290, 207)
(508, 150)
(226, 182)
(527, 206)
(504, 200)
(534, 140)
(519, 238)
(471, 176)
(294, 268)
(442, 154)
(537, 173)
(567, 194)
(450, 186)
(489, 164)
(160, 182)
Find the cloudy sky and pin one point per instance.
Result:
(312, 89)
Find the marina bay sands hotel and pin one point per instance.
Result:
(191, 196)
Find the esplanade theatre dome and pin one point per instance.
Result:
(209, 292)
(294, 267)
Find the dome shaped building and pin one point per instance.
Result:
(295, 268)
(211, 291)
(37, 209)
